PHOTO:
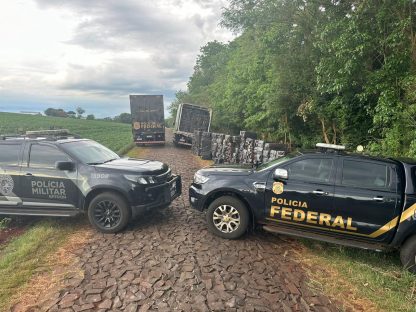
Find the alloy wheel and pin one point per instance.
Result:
(107, 214)
(226, 218)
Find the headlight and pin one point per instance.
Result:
(140, 179)
(200, 179)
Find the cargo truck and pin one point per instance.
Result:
(189, 118)
(148, 119)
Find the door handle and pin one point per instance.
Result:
(378, 198)
(319, 192)
(28, 174)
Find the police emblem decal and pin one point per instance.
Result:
(6, 184)
(278, 188)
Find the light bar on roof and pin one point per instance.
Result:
(331, 146)
(48, 132)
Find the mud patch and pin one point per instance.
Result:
(8, 234)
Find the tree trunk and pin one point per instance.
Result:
(324, 133)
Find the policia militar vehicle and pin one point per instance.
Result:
(328, 195)
(53, 173)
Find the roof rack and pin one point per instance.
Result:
(330, 147)
(58, 134)
(11, 136)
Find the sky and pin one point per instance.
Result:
(93, 54)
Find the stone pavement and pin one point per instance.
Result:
(168, 261)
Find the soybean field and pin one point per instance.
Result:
(111, 134)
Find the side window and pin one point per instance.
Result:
(311, 170)
(365, 174)
(9, 154)
(42, 156)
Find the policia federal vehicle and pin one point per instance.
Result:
(328, 195)
(52, 173)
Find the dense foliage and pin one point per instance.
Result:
(302, 71)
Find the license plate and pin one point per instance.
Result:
(173, 189)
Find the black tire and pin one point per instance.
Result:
(116, 205)
(408, 254)
(230, 207)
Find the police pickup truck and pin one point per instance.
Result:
(328, 195)
(51, 173)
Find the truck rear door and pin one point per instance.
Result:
(148, 119)
(367, 193)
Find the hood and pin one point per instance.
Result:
(140, 166)
(227, 170)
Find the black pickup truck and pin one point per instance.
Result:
(328, 195)
(49, 173)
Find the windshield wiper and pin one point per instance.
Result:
(95, 163)
(107, 161)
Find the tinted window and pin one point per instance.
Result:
(42, 156)
(364, 174)
(90, 152)
(9, 154)
(311, 170)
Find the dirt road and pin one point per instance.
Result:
(168, 261)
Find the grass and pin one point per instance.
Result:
(355, 276)
(111, 134)
(27, 254)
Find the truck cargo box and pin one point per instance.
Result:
(148, 119)
(190, 118)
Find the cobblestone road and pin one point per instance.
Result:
(168, 261)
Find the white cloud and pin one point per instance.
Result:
(96, 52)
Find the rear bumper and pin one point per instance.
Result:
(150, 142)
(149, 137)
(167, 192)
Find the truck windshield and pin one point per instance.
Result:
(277, 161)
(90, 152)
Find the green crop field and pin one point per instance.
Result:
(111, 134)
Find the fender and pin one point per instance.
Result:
(105, 187)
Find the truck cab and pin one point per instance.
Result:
(328, 195)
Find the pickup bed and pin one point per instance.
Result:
(328, 195)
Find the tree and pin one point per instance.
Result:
(80, 111)
(90, 117)
(71, 114)
(55, 112)
(302, 71)
(123, 118)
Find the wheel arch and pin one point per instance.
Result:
(99, 190)
(224, 192)
(409, 236)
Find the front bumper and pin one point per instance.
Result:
(197, 197)
(162, 194)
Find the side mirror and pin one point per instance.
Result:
(65, 165)
(280, 174)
